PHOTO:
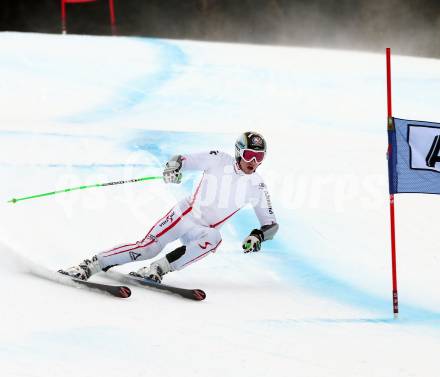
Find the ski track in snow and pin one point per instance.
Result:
(130, 94)
(288, 303)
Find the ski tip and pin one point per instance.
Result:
(124, 292)
(199, 295)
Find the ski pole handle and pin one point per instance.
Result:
(15, 200)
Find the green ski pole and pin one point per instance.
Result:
(15, 200)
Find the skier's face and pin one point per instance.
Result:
(248, 167)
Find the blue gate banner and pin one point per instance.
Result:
(414, 156)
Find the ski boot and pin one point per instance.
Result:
(84, 270)
(155, 271)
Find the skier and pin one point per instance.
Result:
(226, 186)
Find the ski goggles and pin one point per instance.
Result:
(248, 155)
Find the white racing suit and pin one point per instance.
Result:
(223, 190)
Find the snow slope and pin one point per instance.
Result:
(315, 302)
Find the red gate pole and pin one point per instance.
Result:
(63, 17)
(112, 17)
(392, 219)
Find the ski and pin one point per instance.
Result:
(45, 273)
(192, 294)
(115, 290)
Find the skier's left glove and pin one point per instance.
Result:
(253, 241)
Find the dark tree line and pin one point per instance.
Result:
(409, 26)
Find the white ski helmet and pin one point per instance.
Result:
(252, 142)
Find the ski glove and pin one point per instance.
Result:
(172, 173)
(253, 241)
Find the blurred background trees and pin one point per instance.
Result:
(411, 27)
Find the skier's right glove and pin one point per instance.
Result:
(172, 173)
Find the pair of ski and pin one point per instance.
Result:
(125, 292)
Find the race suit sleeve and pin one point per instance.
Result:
(201, 161)
(264, 211)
